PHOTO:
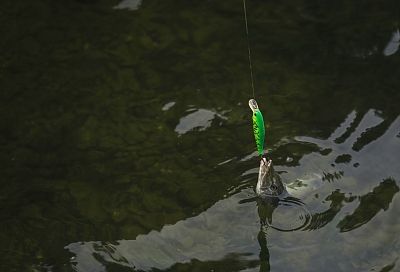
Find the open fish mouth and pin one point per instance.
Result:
(265, 167)
(266, 162)
(269, 183)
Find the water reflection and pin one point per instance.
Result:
(241, 229)
(210, 236)
(351, 142)
(370, 204)
(393, 45)
(228, 230)
(321, 219)
(264, 255)
(199, 119)
(129, 4)
(168, 106)
(266, 209)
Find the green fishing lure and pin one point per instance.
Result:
(258, 126)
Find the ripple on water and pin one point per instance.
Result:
(290, 215)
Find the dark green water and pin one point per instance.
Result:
(126, 140)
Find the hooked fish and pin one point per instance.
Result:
(269, 183)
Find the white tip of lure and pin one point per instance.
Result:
(253, 105)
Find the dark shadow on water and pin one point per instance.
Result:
(370, 204)
(338, 200)
(232, 262)
(265, 210)
(373, 133)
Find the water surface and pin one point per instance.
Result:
(126, 136)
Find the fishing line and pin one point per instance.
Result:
(248, 47)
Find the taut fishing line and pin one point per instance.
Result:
(248, 47)
(258, 120)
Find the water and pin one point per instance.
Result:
(127, 143)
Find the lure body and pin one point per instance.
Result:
(258, 126)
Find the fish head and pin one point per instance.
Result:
(269, 183)
(264, 173)
(265, 165)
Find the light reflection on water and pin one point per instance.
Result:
(231, 226)
(199, 119)
(129, 4)
(343, 209)
(226, 227)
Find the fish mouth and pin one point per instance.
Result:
(269, 183)
(263, 177)
(266, 162)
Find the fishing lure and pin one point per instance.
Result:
(258, 126)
